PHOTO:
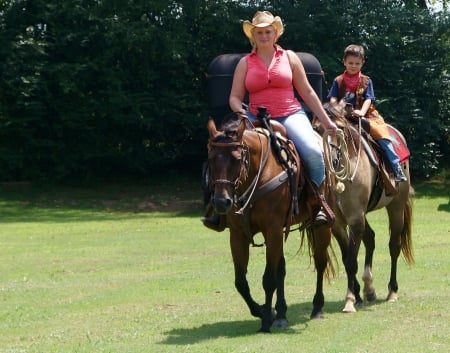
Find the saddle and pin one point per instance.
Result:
(302, 189)
(287, 156)
(375, 154)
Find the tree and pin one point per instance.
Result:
(95, 89)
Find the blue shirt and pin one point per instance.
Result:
(350, 97)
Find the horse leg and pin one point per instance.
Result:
(341, 235)
(322, 239)
(351, 267)
(395, 244)
(369, 244)
(274, 255)
(280, 306)
(240, 253)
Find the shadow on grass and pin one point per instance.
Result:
(53, 215)
(298, 317)
(29, 203)
(180, 197)
(444, 207)
(432, 188)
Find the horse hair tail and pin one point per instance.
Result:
(406, 234)
(330, 271)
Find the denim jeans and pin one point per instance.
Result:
(388, 149)
(300, 131)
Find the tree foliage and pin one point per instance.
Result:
(101, 88)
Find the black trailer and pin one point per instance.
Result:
(220, 77)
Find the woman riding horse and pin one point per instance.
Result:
(269, 75)
(250, 186)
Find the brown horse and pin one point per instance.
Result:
(250, 186)
(358, 190)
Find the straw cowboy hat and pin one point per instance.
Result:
(263, 19)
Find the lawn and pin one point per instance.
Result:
(129, 268)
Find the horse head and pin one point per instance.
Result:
(338, 111)
(227, 161)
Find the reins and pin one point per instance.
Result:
(359, 149)
(251, 189)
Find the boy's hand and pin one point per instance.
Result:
(358, 112)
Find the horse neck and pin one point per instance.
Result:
(257, 143)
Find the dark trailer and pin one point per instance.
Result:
(220, 77)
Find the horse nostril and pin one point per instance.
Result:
(221, 204)
(229, 203)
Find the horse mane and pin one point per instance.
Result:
(337, 113)
(229, 129)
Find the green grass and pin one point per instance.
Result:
(131, 269)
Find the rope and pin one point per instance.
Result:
(340, 169)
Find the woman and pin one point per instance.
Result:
(269, 75)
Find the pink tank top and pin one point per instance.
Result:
(271, 87)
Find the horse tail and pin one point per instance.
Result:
(321, 251)
(406, 234)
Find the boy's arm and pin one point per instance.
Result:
(333, 93)
(365, 107)
(369, 98)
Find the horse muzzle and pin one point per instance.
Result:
(222, 204)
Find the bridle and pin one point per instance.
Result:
(244, 158)
(246, 197)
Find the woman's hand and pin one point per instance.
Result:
(329, 125)
(242, 113)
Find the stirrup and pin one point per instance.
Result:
(321, 218)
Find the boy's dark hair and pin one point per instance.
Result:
(354, 50)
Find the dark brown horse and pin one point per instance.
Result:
(250, 186)
(358, 190)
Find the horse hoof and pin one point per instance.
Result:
(371, 297)
(392, 297)
(359, 305)
(349, 308)
(350, 301)
(316, 315)
(280, 323)
(263, 330)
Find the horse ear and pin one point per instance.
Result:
(241, 128)
(211, 126)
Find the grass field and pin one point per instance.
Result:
(131, 269)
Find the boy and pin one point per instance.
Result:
(357, 89)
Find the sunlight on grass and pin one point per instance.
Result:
(89, 278)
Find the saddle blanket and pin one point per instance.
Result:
(398, 143)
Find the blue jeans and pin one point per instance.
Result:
(388, 149)
(300, 131)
